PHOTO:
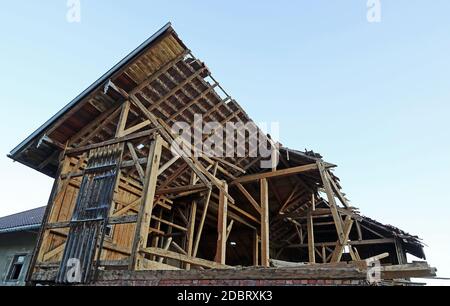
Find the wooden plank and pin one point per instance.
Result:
(145, 213)
(414, 270)
(221, 249)
(265, 248)
(274, 174)
(156, 265)
(184, 258)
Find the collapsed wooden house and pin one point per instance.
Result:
(123, 201)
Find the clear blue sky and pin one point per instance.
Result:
(373, 98)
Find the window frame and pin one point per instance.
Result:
(12, 266)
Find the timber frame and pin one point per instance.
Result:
(180, 211)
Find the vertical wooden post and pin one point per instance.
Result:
(401, 256)
(255, 248)
(311, 246)
(222, 226)
(190, 232)
(324, 254)
(203, 217)
(265, 248)
(156, 225)
(147, 203)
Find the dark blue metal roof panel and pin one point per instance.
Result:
(27, 220)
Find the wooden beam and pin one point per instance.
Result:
(106, 245)
(175, 190)
(274, 174)
(181, 228)
(179, 248)
(166, 247)
(221, 250)
(289, 198)
(136, 128)
(96, 122)
(249, 197)
(229, 228)
(353, 243)
(123, 119)
(168, 164)
(255, 248)
(337, 254)
(168, 137)
(126, 208)
(136, 161)
(337, 191)
(190, 232)
(157, 265)
(111, 221)
(203, 217)
(184, 258)
(58, 250)
(265, 248)
(145, 213)
(111, 142)
(331, 201)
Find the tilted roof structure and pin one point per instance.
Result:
(161, 83)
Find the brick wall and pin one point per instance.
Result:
(222, 282)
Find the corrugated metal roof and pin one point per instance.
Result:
(27, 220)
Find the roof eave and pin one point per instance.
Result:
(103, 79)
